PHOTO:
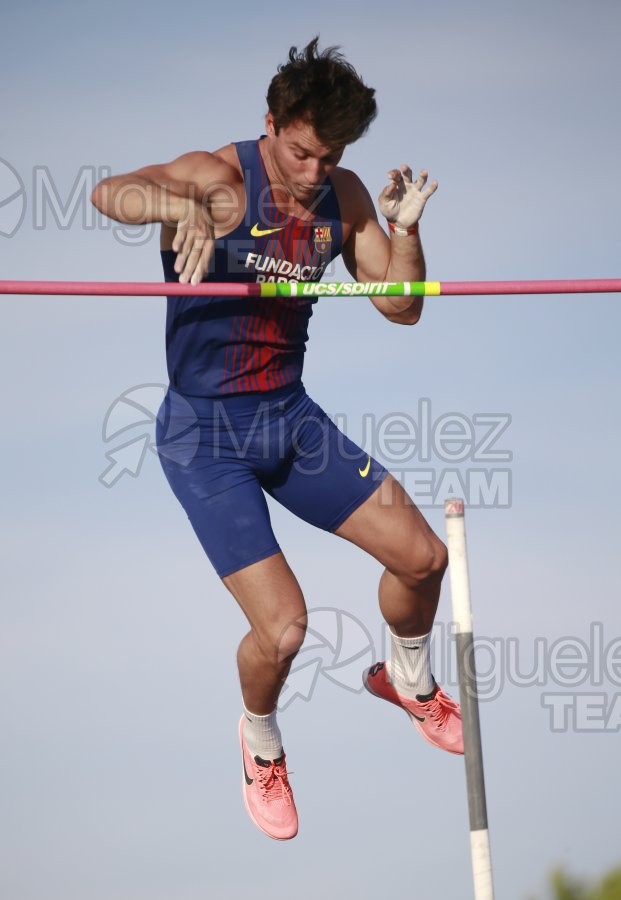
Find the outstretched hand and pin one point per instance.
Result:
(402, 201)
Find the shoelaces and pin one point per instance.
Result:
(274, 783)
(440, 707)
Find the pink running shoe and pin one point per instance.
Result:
(267, 794)
(436, 715)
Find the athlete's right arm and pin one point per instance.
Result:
(184, 195)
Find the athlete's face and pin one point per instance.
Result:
(301, 161)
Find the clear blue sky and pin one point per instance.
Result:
(118, 692)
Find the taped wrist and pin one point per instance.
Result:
(403, 232)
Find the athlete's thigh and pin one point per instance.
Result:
(328, 476)
(389, 526)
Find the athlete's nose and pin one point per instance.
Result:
(315, 172)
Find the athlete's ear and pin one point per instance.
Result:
(270, 125)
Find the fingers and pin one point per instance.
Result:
(193, 245)
(400, 179)
(182, 246)
(191, 269)
(401, 184)
(401, 176)
(390, 192)
(421, 181)
(193, 259)
(179, 238)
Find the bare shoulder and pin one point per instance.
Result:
(227, 156)
(199, 167)
(354, 199)
(214, 176)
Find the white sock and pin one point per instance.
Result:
(262, 735)
(409, 666)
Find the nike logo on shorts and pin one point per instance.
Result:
(364, 472)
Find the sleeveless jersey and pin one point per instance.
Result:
(219, 346)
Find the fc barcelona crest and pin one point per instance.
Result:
(322, 238)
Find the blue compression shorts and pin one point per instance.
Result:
(220, 455)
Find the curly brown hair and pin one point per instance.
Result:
(324, 91)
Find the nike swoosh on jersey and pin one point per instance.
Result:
(255, 231)
(364, 472)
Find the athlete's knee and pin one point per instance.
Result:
(281, 638)
(291, 638)
(440, 561)
(431, 561)
(425, 563)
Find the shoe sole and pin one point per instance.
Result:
(244, 786)
(411, 717)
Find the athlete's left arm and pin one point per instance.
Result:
(370, 255)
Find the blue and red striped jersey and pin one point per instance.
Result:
(217, 346)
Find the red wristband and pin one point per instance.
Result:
(403, 232)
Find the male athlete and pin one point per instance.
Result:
(280, 208)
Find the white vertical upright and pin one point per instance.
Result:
(473, 756)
